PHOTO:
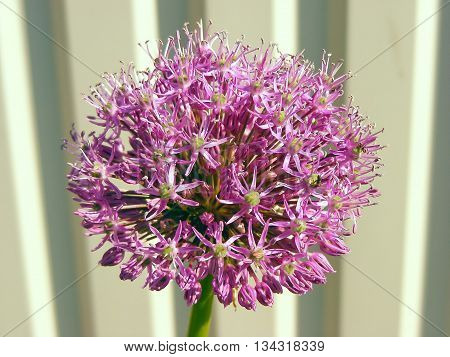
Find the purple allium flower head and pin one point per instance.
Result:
(224, 160)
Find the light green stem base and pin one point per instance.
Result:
(201, 311)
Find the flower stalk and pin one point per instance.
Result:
(200, 320)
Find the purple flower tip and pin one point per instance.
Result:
(112, 256)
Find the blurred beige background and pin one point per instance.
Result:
(396, 281)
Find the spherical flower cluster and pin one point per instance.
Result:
(227, 161)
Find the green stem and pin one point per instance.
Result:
(201, 311)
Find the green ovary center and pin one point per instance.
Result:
(252, 198)
(220, 251)
(198, 142)
(357, 151)
(219, 98)
(158, 154)
(323, 100)
(314, 180)
(183, 78)
(299, 226)
(167, 251)
(257, 254)
(281, 117)
(337, 202)
(289, 269)
(295, 145)
(165, 191)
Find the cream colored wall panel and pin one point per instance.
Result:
(100, 35)
(419, 167)
(145, 23)
(286, 314)
(383, 90)
(49, 131)
(20, 133)
(285, 25)
(13, 304)
(437, 278)
(322, 26)
(251, 18)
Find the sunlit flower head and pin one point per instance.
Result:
(224, 160)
